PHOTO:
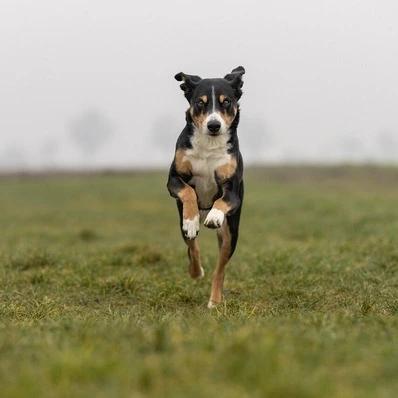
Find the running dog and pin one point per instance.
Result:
(206, 175)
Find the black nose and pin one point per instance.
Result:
(214, 126)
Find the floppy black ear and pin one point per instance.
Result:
(189, 83)
(235, 80)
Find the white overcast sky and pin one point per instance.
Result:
(321, 82)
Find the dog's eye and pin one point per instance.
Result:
(200, 103)
(226, 102)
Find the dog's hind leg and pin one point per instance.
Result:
(195, 266)
(227, 238)
(224, 240)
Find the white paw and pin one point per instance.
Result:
(214, 219)
(197, 273)
(211, 304)
(202, 273)
(190, 227)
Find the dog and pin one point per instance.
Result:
(206, 175)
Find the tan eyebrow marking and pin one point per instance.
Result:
(204, 98)
(222, 98)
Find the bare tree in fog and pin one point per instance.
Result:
(90, 131)
(13, 158)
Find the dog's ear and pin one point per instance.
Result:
(189, 83)
(235, 80)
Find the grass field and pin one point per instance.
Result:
(95, 297)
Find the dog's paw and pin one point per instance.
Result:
(196, 272)
(214, 219)
(190, 227)
(212, 304)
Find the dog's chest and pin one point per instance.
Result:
(205, 157)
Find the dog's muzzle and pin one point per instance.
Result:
(214, 127)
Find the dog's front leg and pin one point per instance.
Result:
(225, 205)
(190, 212)
(229, 180)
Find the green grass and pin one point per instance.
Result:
(95, 297)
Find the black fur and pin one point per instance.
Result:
(235, 80)
(189, 83)
(231, 189)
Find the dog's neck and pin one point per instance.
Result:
(206, 145)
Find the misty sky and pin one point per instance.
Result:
(321, 81)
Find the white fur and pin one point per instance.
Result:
(213, 98)
(190, 227)
(215, 217)
(211, 304)
(207, 154)
(216, 116)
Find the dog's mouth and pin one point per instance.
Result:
(213, 134)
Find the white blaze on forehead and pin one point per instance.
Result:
(213, 97)
(215, 115)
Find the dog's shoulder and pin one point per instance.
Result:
(180, 165)
(185, 138)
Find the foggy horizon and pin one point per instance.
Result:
(89, 84)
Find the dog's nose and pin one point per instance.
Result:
(214, 126)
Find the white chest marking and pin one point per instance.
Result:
(207, 154)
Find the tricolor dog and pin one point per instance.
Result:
(206, 174)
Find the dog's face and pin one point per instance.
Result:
(213, 102)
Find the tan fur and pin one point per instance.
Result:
(195, 266)
(198, 120)
(227, 170)
(222, 98)
(204, 98)
(221, 204)
(224, 255)
(188, 198)
(183, 165)
(228, 119)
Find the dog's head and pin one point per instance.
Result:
(213, 102)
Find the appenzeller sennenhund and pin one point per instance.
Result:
(206, 175)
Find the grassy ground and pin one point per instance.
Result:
(95, 298)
